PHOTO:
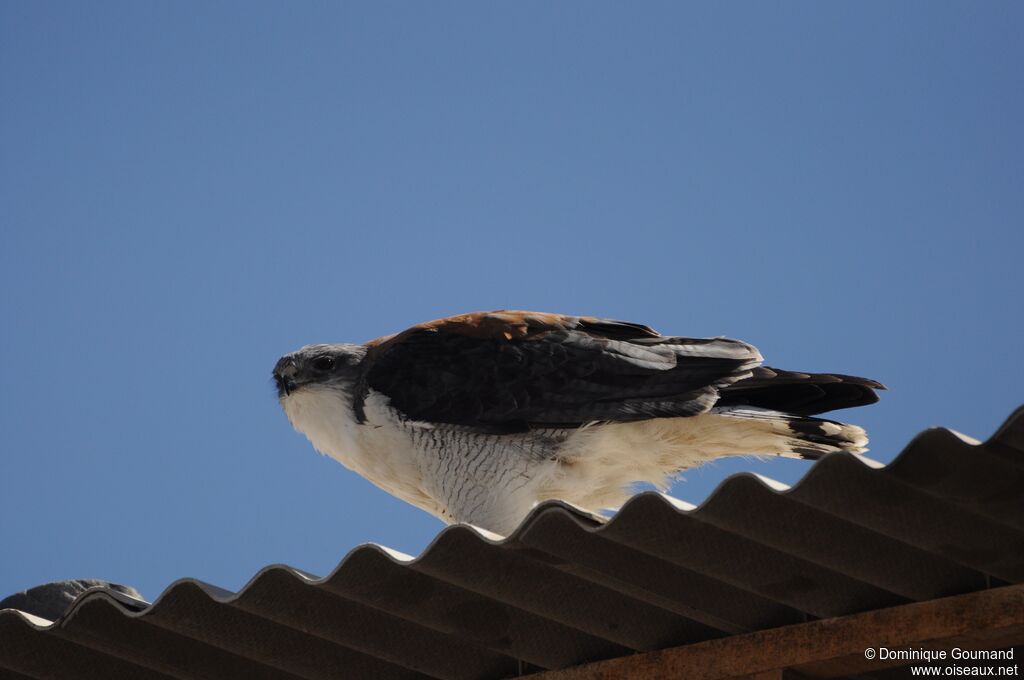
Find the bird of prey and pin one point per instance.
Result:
(476, 418)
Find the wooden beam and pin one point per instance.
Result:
(989, 619)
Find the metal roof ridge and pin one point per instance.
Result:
(1011, 428)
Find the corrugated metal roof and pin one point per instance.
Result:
(946, 517)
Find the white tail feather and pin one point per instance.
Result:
(599, 465)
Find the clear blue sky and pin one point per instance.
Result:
(190, 190)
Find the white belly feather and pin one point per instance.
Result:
(455, 474)
(494, 480)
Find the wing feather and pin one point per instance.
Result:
(800, 393)
(506, 371)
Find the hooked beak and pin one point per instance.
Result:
(284, 376)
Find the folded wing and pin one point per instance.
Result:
(508, 371)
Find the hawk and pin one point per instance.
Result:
(476, 418)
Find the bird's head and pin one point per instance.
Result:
(318, 365)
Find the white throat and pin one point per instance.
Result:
(379, 449)
(324, 414)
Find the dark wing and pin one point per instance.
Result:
(507, 371)
(802, 394)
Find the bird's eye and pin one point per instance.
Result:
(323, 363)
